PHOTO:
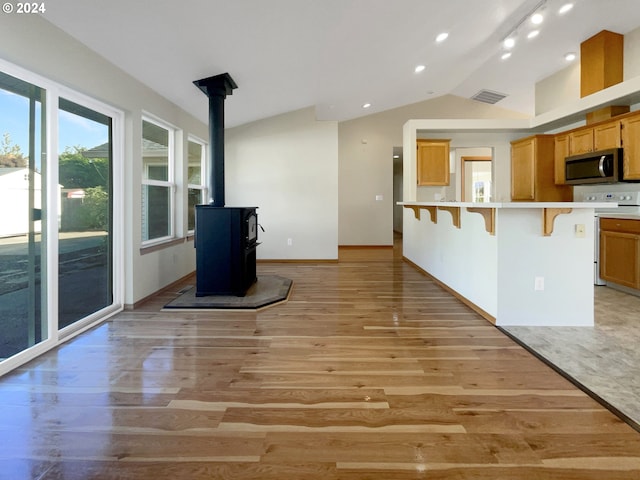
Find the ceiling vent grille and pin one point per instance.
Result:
(487, 96)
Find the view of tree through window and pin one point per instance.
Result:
(157, 178)
(82, 217)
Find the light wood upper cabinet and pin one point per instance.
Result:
(533, 171)
(601, 62)
(631, 144)
(607, 135)
(433, 162)
(581, 141)
(599, 137)
(561, 151)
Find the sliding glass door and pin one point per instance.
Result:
(85, 237)
(24, 213)
(59, 236)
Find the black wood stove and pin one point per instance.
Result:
(226, 237)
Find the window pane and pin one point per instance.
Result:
(155, 151)
(195, 198)
(156, 221)
(85, 236)
(158, 172)
(23, 214)
(195, 163)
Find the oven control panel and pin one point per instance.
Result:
(622, 198)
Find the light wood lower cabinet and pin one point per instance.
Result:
(620, 251)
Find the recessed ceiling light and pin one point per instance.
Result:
(537, 18)
(442, 37)
(509, 42)
(565, 8)
(505, 55)
(533, 33)
(419, 68)
(366, 105)
(570, 57)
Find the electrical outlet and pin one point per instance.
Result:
(539, 284)
(580, 230)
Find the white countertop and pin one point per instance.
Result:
(520, 205)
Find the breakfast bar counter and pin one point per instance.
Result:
(515, 263)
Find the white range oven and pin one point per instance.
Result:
(628, 206)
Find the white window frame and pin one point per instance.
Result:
(169, 183)
(202, 186)
(55, 336)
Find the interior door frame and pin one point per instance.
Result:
(469, 158)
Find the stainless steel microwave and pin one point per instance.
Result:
(604, 166)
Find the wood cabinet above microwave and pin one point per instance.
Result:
(592, 139)
(603, 136)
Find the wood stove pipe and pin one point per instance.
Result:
(216, 88)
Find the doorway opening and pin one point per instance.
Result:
(476, 182)
(397, 190)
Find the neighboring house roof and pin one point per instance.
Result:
(101, 151)
(149, 149)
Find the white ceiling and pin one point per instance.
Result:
(335, 55)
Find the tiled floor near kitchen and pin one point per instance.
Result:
(604, 359)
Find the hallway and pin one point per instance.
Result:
(369, 371)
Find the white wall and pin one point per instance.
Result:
(288, 167)
(465, 259)
(631, 66)
(498, 272)
(32, 43)
(366, 163)
(559, 88)
(524, 254)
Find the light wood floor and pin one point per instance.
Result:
(370, 371)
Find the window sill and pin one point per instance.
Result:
(161, 246)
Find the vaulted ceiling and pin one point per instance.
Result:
(337, 55)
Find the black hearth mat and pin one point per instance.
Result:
(267, 290)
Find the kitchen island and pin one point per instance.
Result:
(515, 263)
